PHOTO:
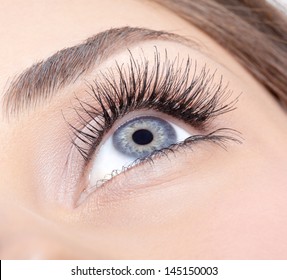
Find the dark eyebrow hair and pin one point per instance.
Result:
(42, 80)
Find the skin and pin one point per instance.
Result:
(208, 203)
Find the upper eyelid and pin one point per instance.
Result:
(44, 80)
(108, 91)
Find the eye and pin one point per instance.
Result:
(134, 140)
(144, 108)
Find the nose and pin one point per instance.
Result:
(25, 234)
(28, 245)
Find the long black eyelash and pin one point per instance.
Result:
(166, 87)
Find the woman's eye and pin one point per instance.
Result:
(133, 140)
(141, 108)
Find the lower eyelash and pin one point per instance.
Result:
(219, 137)
(165, 87)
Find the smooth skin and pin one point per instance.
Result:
(208, 203)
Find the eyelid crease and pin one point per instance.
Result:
(167, 87)
(40, 82)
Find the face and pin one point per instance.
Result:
(157, 146)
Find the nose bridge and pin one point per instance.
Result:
(26, 235)
(28, 245)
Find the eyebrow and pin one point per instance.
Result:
(43, 80)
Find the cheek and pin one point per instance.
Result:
(233, 210)
(255, 213)
(244, 215)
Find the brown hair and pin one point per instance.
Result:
(255, 32)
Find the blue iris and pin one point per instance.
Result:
(141, 136)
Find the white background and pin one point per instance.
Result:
(228, 270)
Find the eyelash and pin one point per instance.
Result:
(166, 88)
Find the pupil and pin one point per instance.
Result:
(142, 137)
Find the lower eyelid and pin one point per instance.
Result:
(162, 168)
(132, 181)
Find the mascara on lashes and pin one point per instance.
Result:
(165, 86)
